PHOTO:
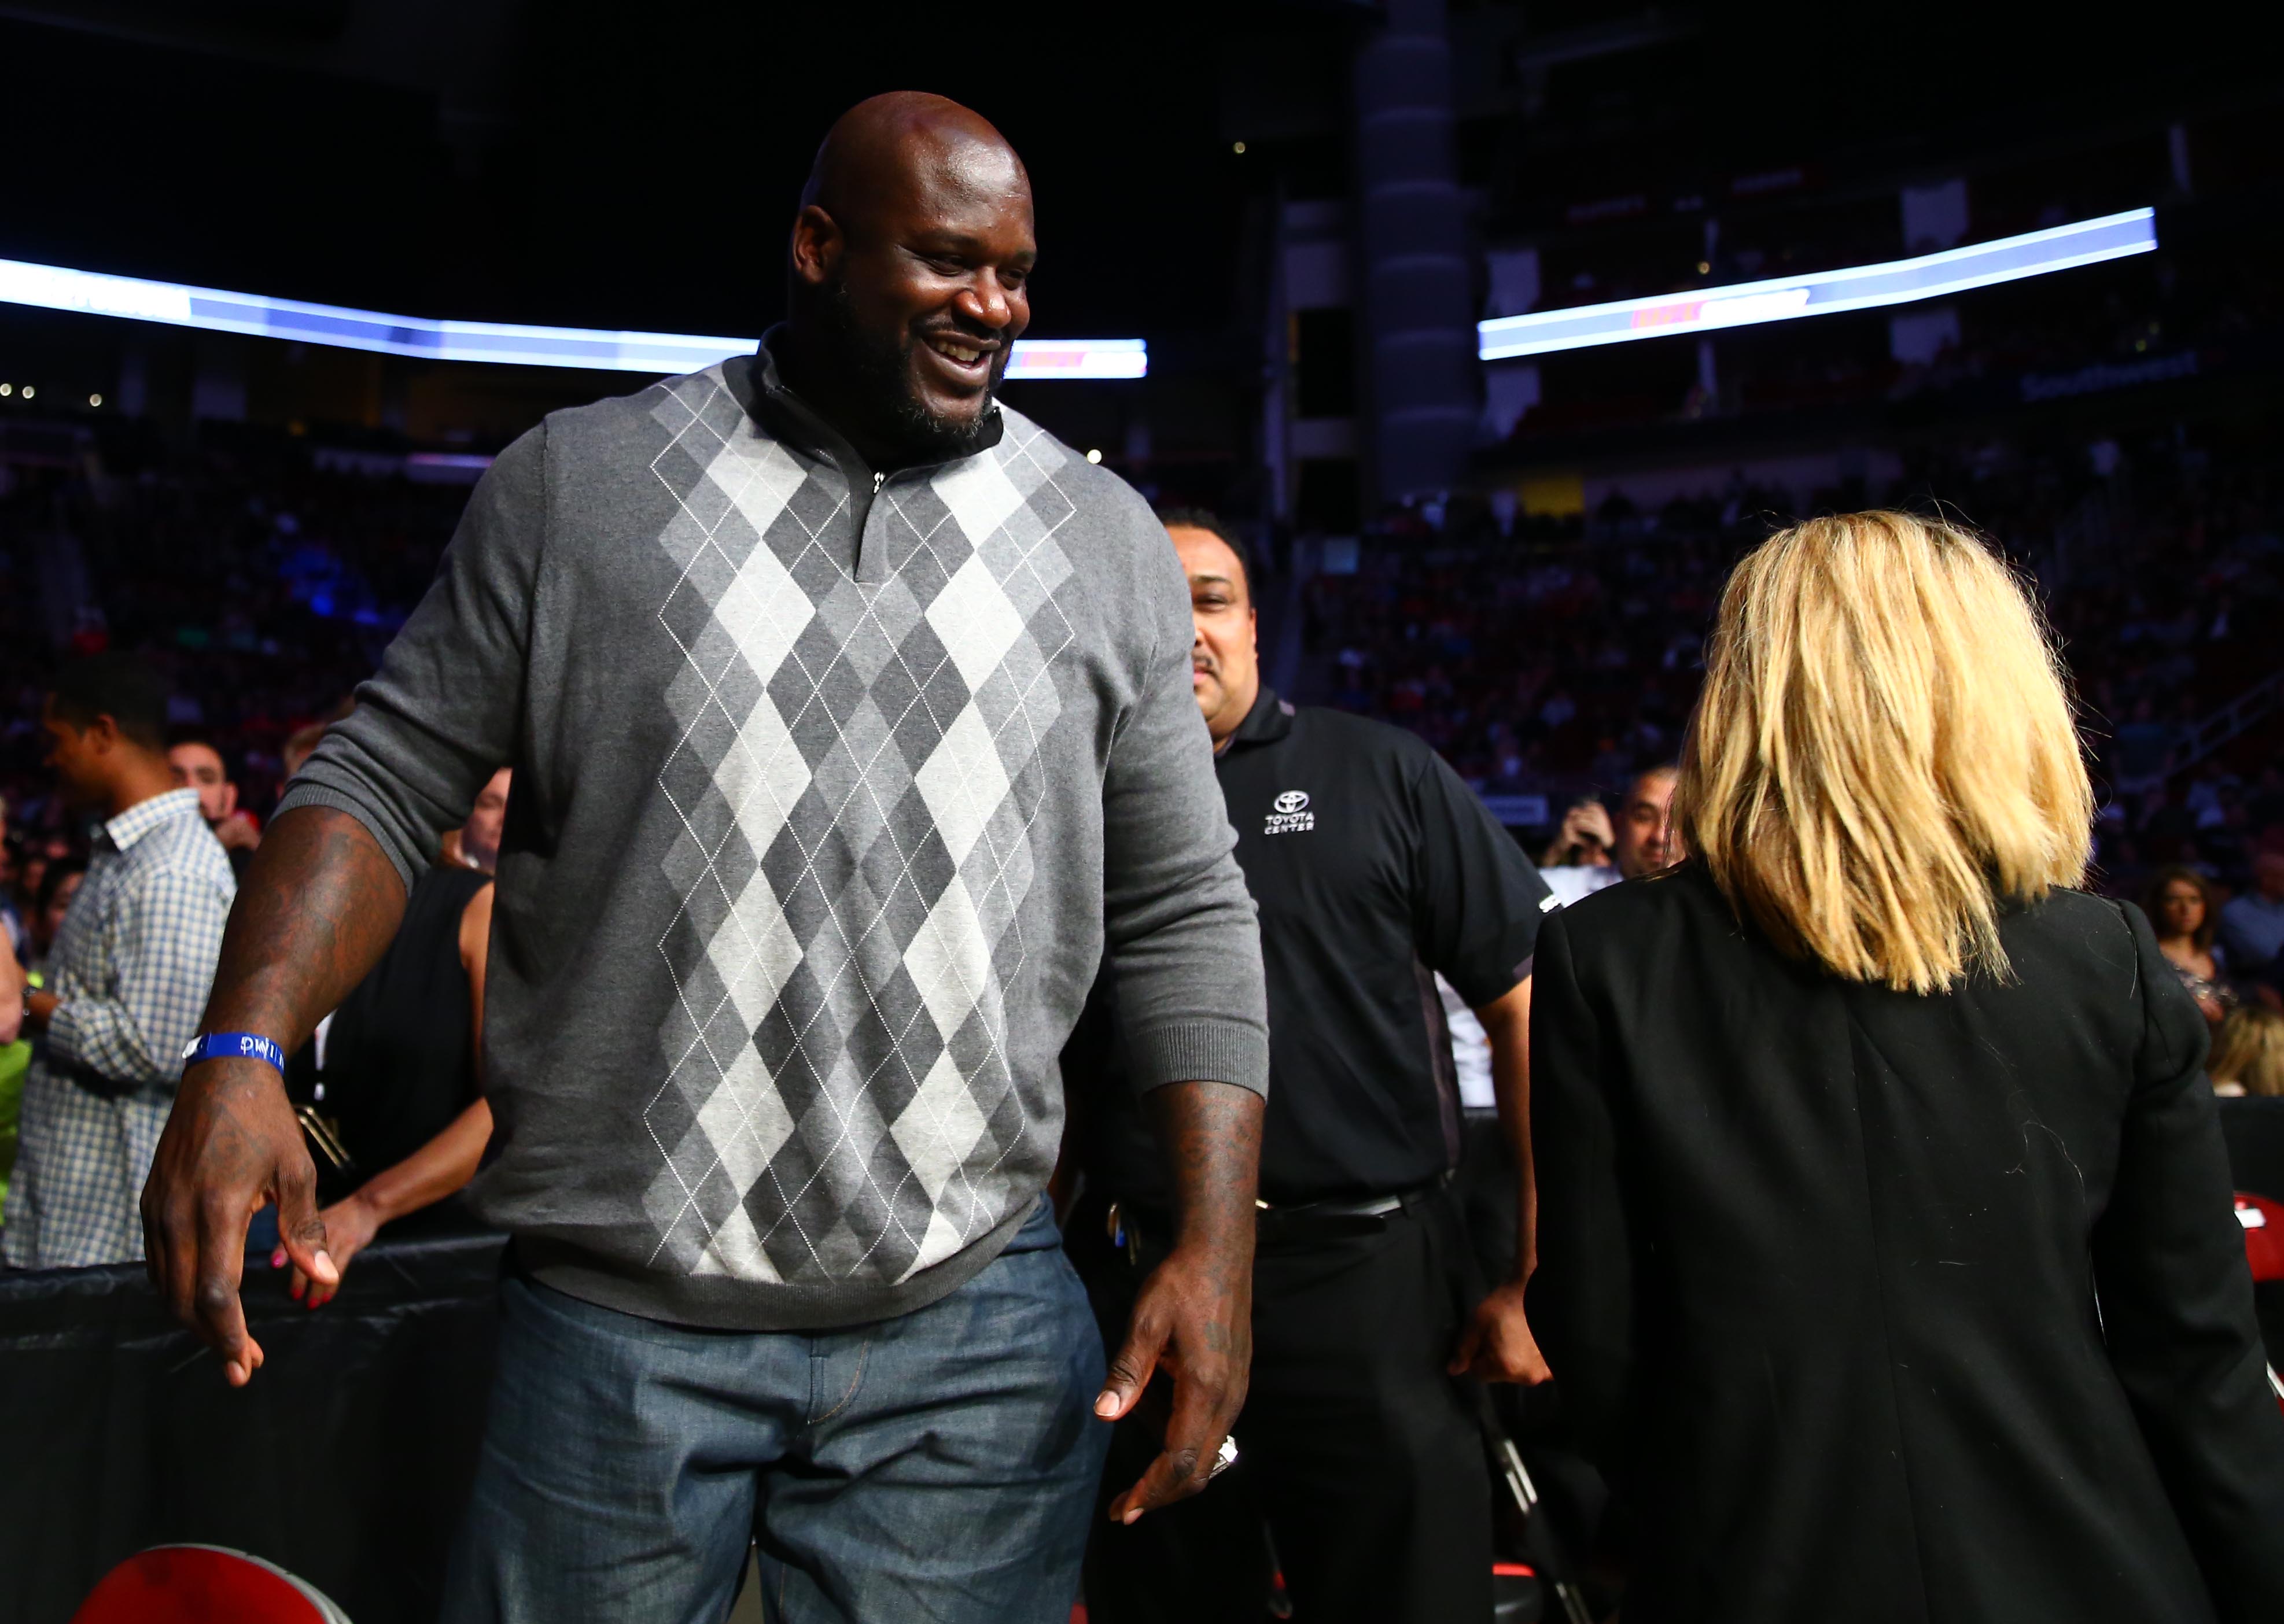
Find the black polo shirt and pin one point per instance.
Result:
(1372, 866)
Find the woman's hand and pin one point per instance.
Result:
(350, 1226)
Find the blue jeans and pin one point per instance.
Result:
(937, 1466)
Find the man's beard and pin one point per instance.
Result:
(879, 368)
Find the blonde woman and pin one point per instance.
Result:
(2248, 1056)
(1886, 1249)
(2248, 1076)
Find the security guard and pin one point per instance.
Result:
(1374, 867)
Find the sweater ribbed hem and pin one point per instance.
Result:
(1201, 1051)
(304, 793)
(717, 1302)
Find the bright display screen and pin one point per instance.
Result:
(1858, 287)
(54, 288)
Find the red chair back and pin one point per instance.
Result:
(2263, 1235)
(203, 1584)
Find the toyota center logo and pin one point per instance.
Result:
(1292, 815)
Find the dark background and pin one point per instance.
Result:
(612, 165)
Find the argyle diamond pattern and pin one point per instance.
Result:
(855, 775)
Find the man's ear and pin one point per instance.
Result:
(816, 245)
(229, 798)
(101, 735)
(1253, 627)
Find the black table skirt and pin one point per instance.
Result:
(346, 1460)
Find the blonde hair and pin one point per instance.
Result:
(1883, 753)
(2250, 1052)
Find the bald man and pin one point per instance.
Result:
(851, 726)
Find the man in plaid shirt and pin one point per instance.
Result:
(131, 969)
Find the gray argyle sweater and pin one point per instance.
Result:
(815, 841)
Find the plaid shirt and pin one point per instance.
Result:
(131, 969)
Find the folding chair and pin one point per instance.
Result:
(204, 1584)
(1508, 1459)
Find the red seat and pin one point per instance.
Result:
(2264, 1248)
(2263, 1235)
(203, 1584)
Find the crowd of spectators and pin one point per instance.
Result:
(263, 582)
(1541, 656)
(251, 587)
(1562, 657)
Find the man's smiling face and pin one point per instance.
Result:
(926, 288)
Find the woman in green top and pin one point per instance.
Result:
(15, 1055)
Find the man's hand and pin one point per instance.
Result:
(1195, 1314)
(1589, 822)
(317, 910)
(238, 832)
(1498, 1345)
(232, 1145)
(1193, 1318)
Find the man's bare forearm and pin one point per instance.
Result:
(1507, 1023)
(1194, 1311)
(320, 906)
(1211, 1132)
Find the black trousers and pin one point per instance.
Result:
(1358, 1456)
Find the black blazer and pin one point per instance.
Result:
(1882, 1308)
(2253, 1128)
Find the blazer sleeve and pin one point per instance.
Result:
(2177, 1308)
(1581, 1298)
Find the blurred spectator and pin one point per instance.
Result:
(2248, 1059)
(1642, 842)
(401, 1062)
(131, 969)
(58, 887)
(303, 740)
(32, 874)
(12, 915)
(299, 745)
(1647, 840)
(2181, 909)
(1577, 863)
(15, 1060)
(2252, 925)
(2247, 1074)
(12, 993)
(198, 765)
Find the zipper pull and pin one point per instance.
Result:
(879, 480)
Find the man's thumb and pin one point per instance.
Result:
(1127, 1375)
(303, 1232)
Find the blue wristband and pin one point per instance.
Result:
(246, 1045)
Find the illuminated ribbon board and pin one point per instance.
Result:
(1858, 287)
(53, 287)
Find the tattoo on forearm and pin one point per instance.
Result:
(320, 906)
(1211, 1132)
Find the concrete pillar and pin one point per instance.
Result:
(1419, 330)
